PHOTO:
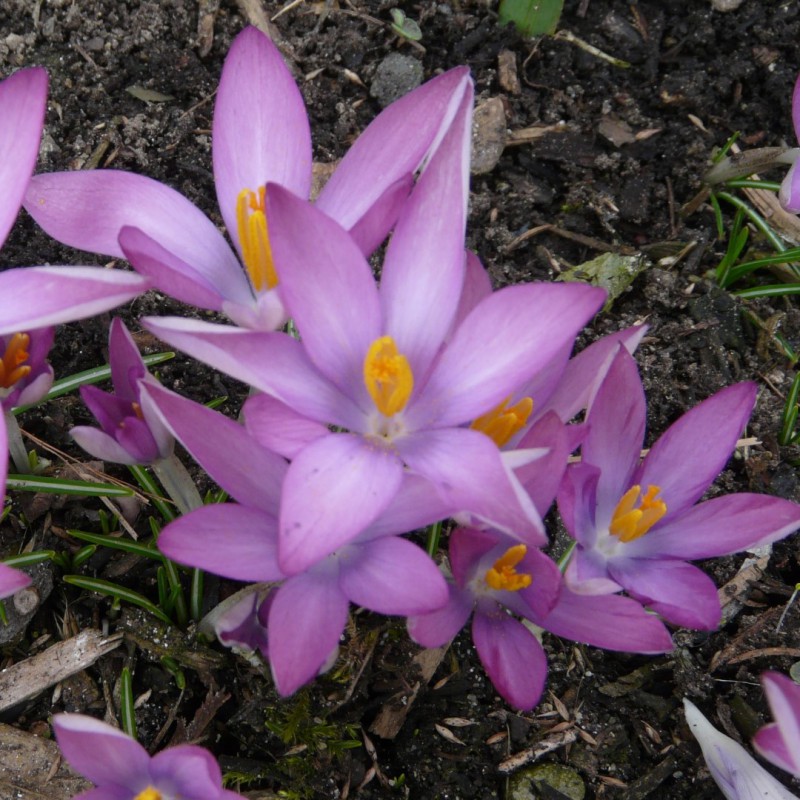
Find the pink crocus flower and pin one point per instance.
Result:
(128, 433)
(122, 769)
(384, 366)
(789, 194)
(307, 613)
(779, 742)
(637, 524)
(33, 299)
(260, 136)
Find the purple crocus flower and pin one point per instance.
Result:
(779, 742)
(738, 775)
(128, 434)
(636, 524)
(261, 136)
(308, 612)
(384, 367)
(121, 768)
(789, 194)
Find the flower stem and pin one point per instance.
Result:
(178, 483)
(16, 447)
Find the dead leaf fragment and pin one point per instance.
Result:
(447, 734)
(507, 72)
(148, 95)
(489, 135)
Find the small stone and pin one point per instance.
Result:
(524, 785)
(489, 135)
(396, 76)
(726, 5)
(507, 72)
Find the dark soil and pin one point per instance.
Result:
(696, 76)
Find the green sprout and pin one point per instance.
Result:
(405, 27)
(531, 17)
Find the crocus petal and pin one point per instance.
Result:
(505, 339)
(227, 539)
(540, 597)
(89, 208)
(693, 451)
(469, 472)
(23, 100)
(170, 274)
(187, 771)
(779, 742)
(719, 527)
(684, 595)
(423, 271)
(392, 576)
(609, 621)
(616, 433)
(224, 448)
(477, 285)
(36, 297)
(306, 619)
(100, 445)
(585, 372)
(467, 546)
(587, 573)
(271, 362)
(376, 223)
(11, 581)
(512, 658)
(789, 193)
(239, 624)
(260, 132)
(279, 428)
(135, 437)
(33, 391)
(393, 145)
(334, 488)
(105, 793)
(577, 502)
(735, 771)
(127, 367)
(104, 755)
(439, 627)
(327, 287)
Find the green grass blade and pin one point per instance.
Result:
(37, 483)
(117, 593)
(116, 543)
(26, 559)
(153, 491)
(787, 433)
(773, 290)
(126, 707)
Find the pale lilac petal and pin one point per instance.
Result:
(394, 145)
(271, 362)
(334, 489)
(170, 274)
(439, 627)
(279, 428)
(780, 741)
(251, 474)
(104, 755)
(789, 193)
(186, 771)
(226, 539)
(32, 392)
(136, 438)
(577, 502)
(682, 594)
(11, 580)
(327, 287)
(476, 287)
(512, 657)
(392, 576)
(609, 621)
(469, 472)
(100, 445)
(36, 297)
(538, 599)
(260, 132)
(719, 527)
(374, 226)
(89, 208)
(615, 433)
(542, 477)
(738, 775)
(693, 451)
(23, 100)
(585, 372)
(507, 338)
(796, 108)
(587, 573)
(266, 313)
(423, 271)
(466, 548)
(240, 626)
(306, 619)
(127, 367)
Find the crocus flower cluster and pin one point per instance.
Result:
(401, 402)
(389, 405)
(736, 772)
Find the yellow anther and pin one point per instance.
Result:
(12, 366)
(630, 522)
(503, 576)
(387, 376)
(251, 223)
(502, 422)
(149, 794)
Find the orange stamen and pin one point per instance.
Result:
(251, 224)
(387, 376)
(630, 522)
(502, 576)
(502, 422)
(12, 366)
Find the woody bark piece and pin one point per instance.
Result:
(489, 135)
(507, 71)
(27, 678)
(31, 768)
